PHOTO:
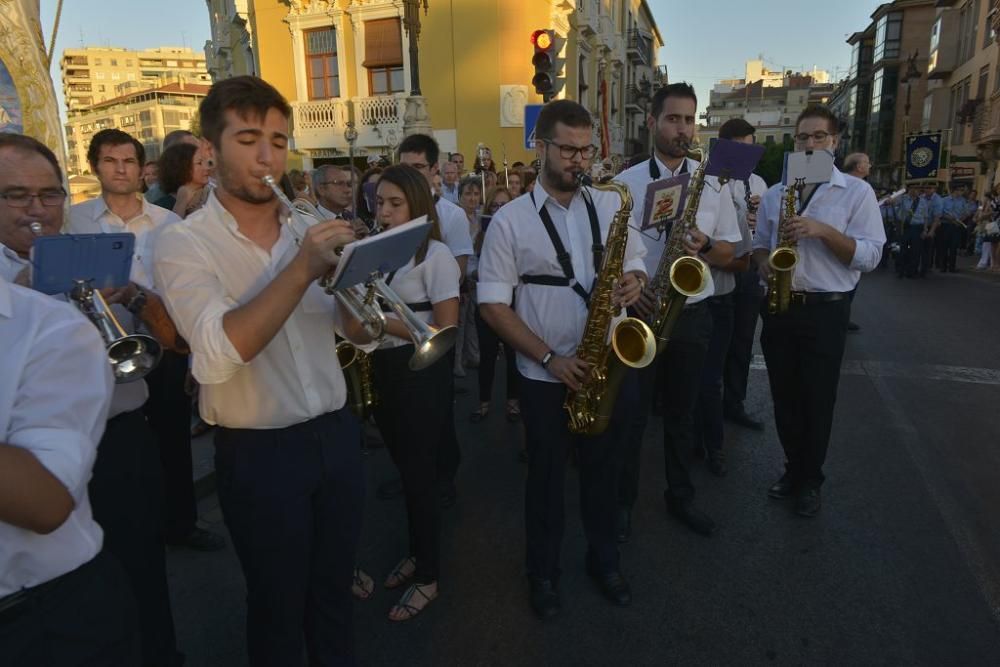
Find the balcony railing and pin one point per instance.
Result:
(320, 124)
(640, 47)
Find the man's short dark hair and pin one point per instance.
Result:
(23, 142)
(567, 112)
(421, 143)
(681, 89)
(736, 128)
(246, 95)
(819, 111)
(113, 137)
(175, 137)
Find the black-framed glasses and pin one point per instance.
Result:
(568, 152)
(337, 183)
(818, 137)
(23, 199)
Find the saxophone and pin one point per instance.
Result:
(783, 258)
(678, 275)
(631, 341)
(357, 366)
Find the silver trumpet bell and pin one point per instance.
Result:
(361, 301)
(132, 356)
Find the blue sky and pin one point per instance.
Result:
(705, 39)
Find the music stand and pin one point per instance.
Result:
(380, 253)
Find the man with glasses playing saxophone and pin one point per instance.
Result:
(241, 285)
(547, 246)
(838, 235)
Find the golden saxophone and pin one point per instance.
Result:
(678, 275)
(631, 341)
(783, 258)
(357, 366)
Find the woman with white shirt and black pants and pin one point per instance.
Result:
(413, 412)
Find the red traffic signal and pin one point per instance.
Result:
(545, 62)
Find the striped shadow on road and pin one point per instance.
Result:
(890, 369)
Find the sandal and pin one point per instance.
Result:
(399, 576)
(480, 414)
(363, 587)
(513, 412)
(404, 605)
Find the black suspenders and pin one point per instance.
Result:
(568, 279)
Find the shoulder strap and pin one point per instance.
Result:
(654, 169)
(563, 257)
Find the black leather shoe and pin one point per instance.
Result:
(614, 588)
(623, 530)
(389, 490)
(544, 597)
(853, 326)
(743, 419)
(783, 488)
(717, 464)
(684, 511)
(807, 503)
(449, 495)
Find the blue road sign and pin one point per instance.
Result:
(530, 119)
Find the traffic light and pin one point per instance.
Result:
(548, 79)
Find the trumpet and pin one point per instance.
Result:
(132, 356)
(361, 301)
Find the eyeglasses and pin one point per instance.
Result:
(568, 152)
(337, 183)
(818, 137)
(23, 199)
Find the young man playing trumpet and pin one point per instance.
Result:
(241, 284)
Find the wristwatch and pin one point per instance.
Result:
(137, 303)
(547, 358)
(707, 248)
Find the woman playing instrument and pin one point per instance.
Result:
(411, 413)
(489, 343)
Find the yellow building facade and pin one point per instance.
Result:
(349, 60)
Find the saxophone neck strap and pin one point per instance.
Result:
(806, 195)
(654, 169)
(563, 257)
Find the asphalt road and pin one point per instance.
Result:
(901, 567)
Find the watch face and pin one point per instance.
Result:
(921, 157)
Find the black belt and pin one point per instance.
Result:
(9, 604)
(812, 298)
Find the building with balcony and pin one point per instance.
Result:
(349, 60)
(230, 52)
(963, 84)
(769, 101)
(92, 74)
(148, 115)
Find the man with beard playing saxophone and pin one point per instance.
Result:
(549, 247)
(838, 234)
(679, 367)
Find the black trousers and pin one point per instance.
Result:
(548, 442)
(489, 347)
(414, 416)
(85, 617)
(126, 494)
(292, 500)
(951, 238)
(804, 349)
(677, 374)
(746, 309)
(916, 251)
(708, 408)
(168, 412)
(449, 453)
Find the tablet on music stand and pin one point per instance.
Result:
(733, 160)
(103, 260)
(808, 167)
(664, 202)
(382, 253)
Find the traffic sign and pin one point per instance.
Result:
(531, 112)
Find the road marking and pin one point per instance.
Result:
(891, 369)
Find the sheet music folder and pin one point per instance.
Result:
(382, 253)
(104, 260)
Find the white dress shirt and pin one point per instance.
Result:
(207, 267)
(716, 214)
(11, 264)
(725, 281)
(450, 193)
(55, 387)
(454, 225)
(94, 217)
(435, 280)
(517, 244)
(848, 205)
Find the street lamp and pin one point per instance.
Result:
(351, 135)
(912, 74)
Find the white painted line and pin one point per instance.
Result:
(891, 369)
